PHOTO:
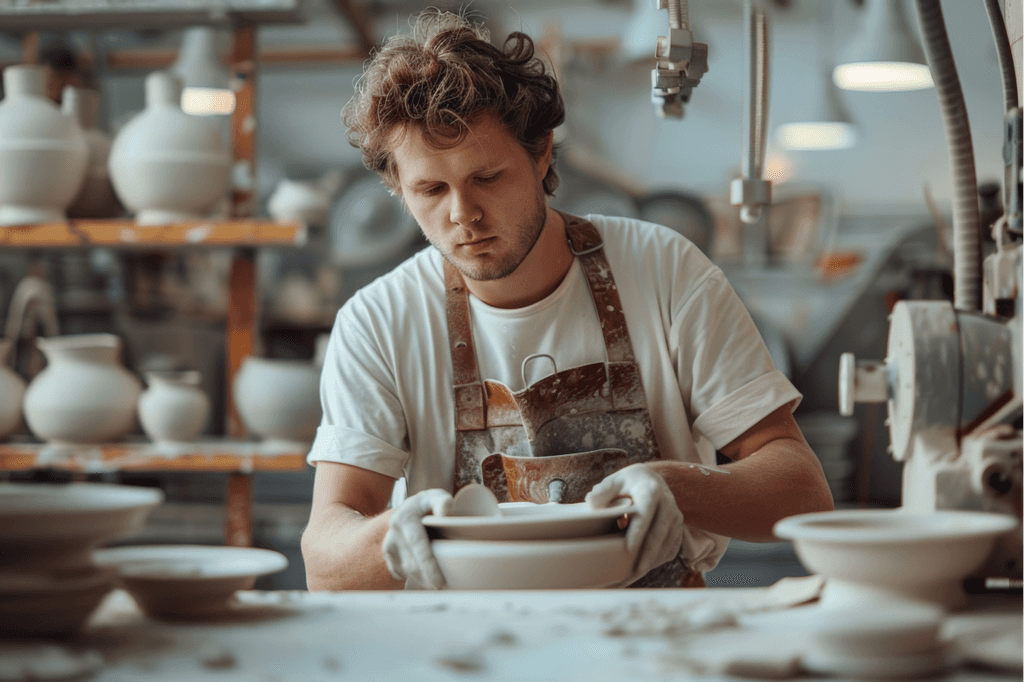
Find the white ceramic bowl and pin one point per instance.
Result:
(46, 524)
(529, 521)
(187, 581)
(53, 603)
(884, 554)
(279, 400)
(534, 565)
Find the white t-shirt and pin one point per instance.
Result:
(386, 386)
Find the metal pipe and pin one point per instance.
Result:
(756, 114)
(966, 237)
(1003, 51)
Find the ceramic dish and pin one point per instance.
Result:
(529, 521)
(54, 604)
(534, 565)
(185, 581)
(48, 525)
(883, 554)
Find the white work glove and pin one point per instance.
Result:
(655, 531)
(406, 546)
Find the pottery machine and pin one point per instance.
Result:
(952, 375)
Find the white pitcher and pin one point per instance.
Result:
(174, 408)
(12, 390)
(43, 153)
(167, 166)
(84, 394)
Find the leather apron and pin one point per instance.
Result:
(595, 406)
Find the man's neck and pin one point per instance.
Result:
(537, 276)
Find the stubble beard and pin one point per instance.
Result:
(528, 233)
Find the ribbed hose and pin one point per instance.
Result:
(678, 14)
(756, 114)
(966, 237)
(1003, 51)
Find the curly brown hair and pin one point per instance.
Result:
(439, 78)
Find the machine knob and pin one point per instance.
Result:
(861, 381)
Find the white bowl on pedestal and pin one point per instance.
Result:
(880, 555)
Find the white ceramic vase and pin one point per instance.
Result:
(96, 198)
(168, 166)
(279, 400)
(84, 394)
(43, 153)
(173, 408)
(12, 390)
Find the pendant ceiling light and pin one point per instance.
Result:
(827, 125)
(830, 127)
(206, 80)
(883, 55)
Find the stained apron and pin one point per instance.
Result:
(595, 406)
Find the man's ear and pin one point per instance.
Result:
(544, 160)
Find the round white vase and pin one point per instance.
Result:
(96, 198)
(167, 166)
(12, 390)
(43, 153)
(174, 408)
(279, 400)
(84, 394)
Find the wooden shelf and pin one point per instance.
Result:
(127, 234)
(74, 14)
(212, 456)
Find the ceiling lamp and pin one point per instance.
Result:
(829, 128)
(883, 55)
(206, 80)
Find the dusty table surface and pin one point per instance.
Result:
(536, 636)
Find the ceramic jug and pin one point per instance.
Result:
(279, 400)
(96, 198)
(12, 390)
(43, 153)
(167, 166)
(84, 394)
(306, 201)
(173, 408)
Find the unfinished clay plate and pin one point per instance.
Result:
(48, 524)
(886, 554)
(534, 565)
(186, 581)
(529, 521)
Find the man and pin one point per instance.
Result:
(462, 132)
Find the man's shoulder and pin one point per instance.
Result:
(418, 278)
(631, 242)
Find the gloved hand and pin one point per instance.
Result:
(406, 546)
(656, 529)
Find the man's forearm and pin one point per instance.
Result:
(342, 551)
(781, 479)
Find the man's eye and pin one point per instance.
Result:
(488, 178)
(431, 191)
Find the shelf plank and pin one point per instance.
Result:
(126, 233)
(217, 456)
(74, 14)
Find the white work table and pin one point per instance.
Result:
(534, 636)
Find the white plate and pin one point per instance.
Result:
(529, 521)
(190, 562)
(534, 565)
(185, 581)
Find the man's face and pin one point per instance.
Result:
(480, 203)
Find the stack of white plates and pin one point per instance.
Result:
(48, 583)
(533, 546)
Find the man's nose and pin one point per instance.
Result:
(464, 208)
